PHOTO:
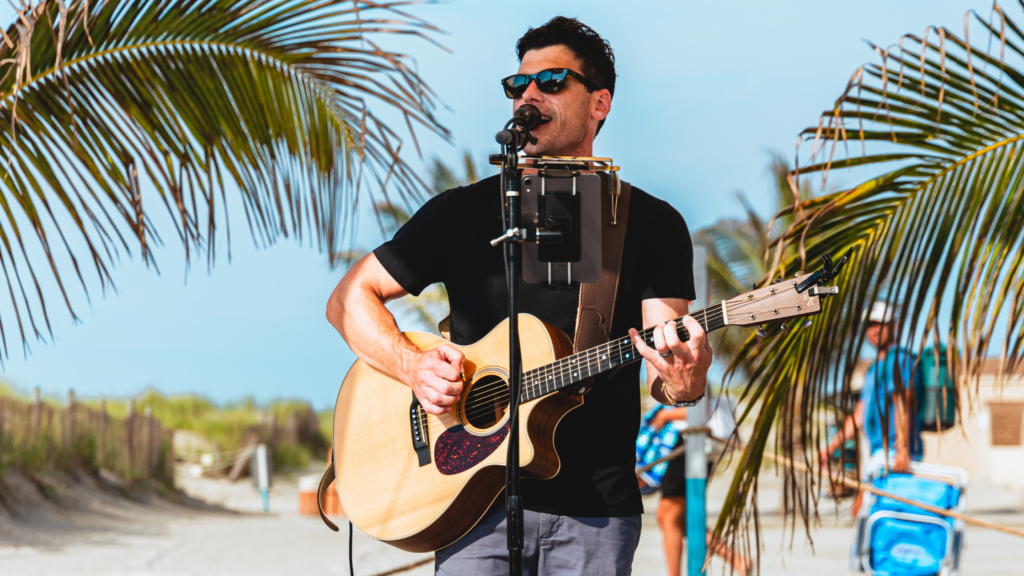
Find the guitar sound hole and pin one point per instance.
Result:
(486, 403)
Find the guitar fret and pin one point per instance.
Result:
(589, 363)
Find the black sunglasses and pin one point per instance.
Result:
(548, 81)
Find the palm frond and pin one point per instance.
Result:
(735, 253)
(277, 97)
(938, 233)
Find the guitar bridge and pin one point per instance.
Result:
(420, 433)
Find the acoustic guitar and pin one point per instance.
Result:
(420, 482)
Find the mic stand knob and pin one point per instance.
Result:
(510, 234)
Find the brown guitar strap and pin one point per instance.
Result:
(325, 484)
(597, 300)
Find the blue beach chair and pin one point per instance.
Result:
(897, 539)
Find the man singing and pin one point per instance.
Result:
(586, 520)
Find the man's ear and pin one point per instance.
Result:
(601, 104)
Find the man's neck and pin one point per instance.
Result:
(585, 149)
(884, 351)
(576, 152)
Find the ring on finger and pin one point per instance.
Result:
(666, 354)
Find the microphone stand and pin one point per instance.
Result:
(513, 141)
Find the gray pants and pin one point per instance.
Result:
(553, 546)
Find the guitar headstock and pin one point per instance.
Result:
(784, 299)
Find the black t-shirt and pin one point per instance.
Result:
(448, 241)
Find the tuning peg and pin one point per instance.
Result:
(777, 280)
(785, 329)
(808, 323)
(761, 333)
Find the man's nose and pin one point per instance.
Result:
(532, 94)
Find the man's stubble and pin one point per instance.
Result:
(566, 138)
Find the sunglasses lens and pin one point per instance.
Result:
(515, 85)
(551, 81)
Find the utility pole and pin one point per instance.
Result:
(696, 455)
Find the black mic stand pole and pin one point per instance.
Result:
(513, 235)
(513, 499)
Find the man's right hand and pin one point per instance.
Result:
(435, 376)
(823, 457)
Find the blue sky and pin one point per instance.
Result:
(705, 90)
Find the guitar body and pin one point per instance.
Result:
(424, 493)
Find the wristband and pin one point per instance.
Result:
(682, 403)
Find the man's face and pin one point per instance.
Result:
(574, 112)
(879, 335)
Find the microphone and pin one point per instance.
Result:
(525, 118)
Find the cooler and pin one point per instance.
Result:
(897, 539)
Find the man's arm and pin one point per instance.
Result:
(667, 415)
(683, 373)
(902, 461)
(853, 423)
(356, 309)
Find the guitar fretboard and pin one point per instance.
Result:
(602, 358)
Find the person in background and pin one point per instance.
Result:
(885, 410)
(672, 507)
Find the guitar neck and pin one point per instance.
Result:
(604, 357)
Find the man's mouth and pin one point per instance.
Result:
(544, 120)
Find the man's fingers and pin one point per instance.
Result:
(675, 345)
(671, 334)
(645, 351)
(432, 375)
(659, 339)
(452, 356)
(444, 388)
(698, 338)
(431, 408)
(694, 328)
(446, 371)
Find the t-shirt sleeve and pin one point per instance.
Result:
(668, 253)
(418, 254)
(902, 366)
(868, 389)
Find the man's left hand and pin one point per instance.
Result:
(901, 463)
(682, 366)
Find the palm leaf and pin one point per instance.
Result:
(426, 310)
(735, 253)
(937, 233)
(274, 96)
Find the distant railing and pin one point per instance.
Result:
(37, 436)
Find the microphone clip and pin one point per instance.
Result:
(517, 133)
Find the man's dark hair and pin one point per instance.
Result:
(593, 51)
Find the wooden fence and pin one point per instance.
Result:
(35, 435)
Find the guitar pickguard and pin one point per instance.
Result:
(457, 450)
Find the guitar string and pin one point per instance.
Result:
(497, 392)
(479, 406)
(583, 360)
(564, 366)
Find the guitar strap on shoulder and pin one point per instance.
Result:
(325, 485)
(597, 300)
